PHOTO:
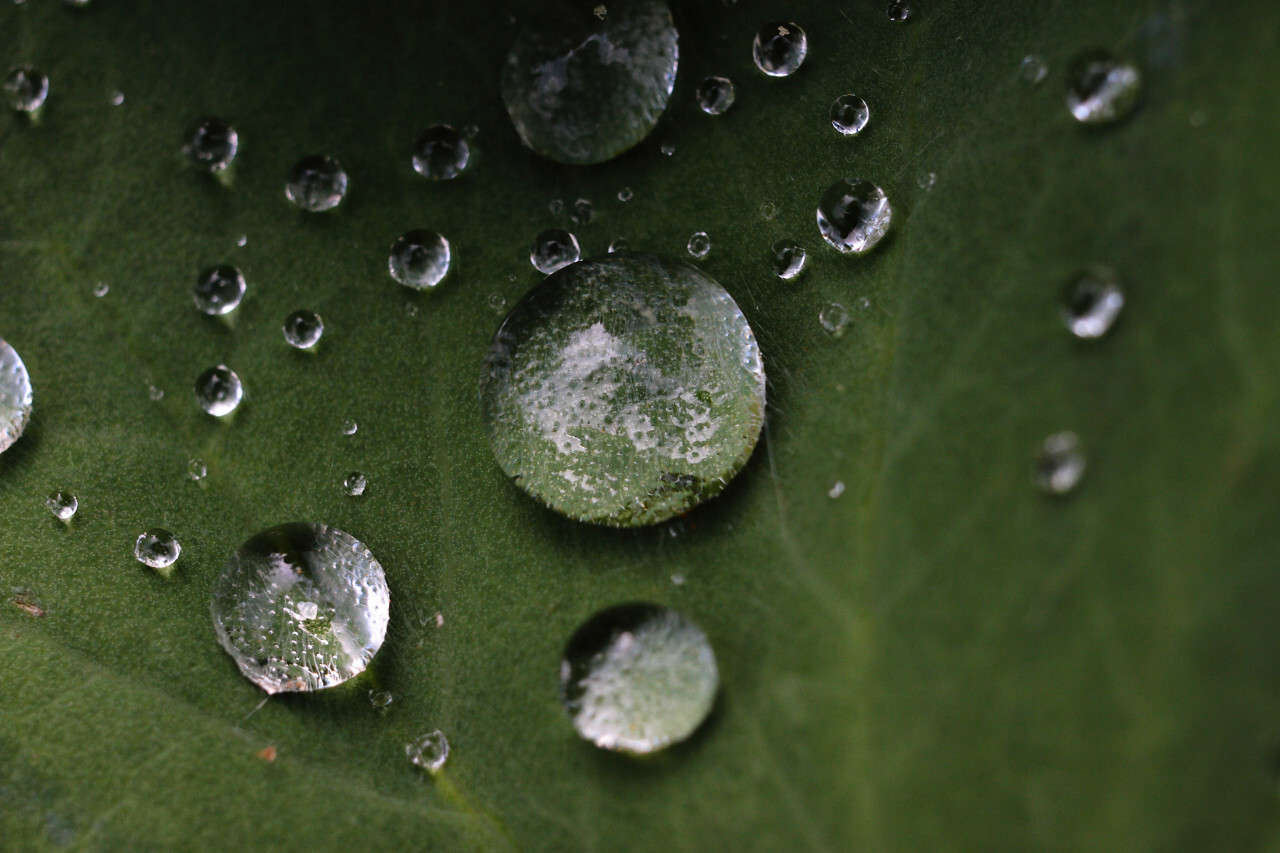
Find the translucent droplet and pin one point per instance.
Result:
(429, 752)
(154, 393)
(779, 48)
(62, 504)
(316, 183)
(219, 289)
(1101, 88)
(625, 194)
(699, 244)
(624, 390)
(619, 244)
(242, 240)
(26, 89)
(211, 144)
(638, 677)
(303, 329)
(1093, 302)
(15, 396)
(768, 210)
(716, 95)
(834, 317)
(554, 249)
(441, 153)
(1034, 69)
(556, 206)
(581, 89)
(898, 11)
(927, 180)
(497, 302)
(196, 469)
(380, 699)
(419, 259)
(355, 484)
(853, 215)
(158, 549)
(583, 213)
(260, 620)
(1059, 465)
(850, 114)
(787, 259)
(667, 149)
(219, 391)
(101, 289)
(350, 427)
(116, 98)
(677, 579)
(836, 490)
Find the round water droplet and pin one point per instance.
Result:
(834, 317)
(716, 95)
(441, 153)
(554, 249)
(625, 194)
(316, 183)
(62, 504)
(850, 114)
(259, 614)
(303, 329)
(419, 259)
(1101, 88)
(158, 549)
(624, 390)
(101, 289)
(582, 89)
(1033, 69)
(638, 677)
(219, 391)
(380, 699)
(853, 215)
(768, 210)
(355, 484)
(787, 259)
(429, 752)
(497, 302)
(196, 469)
(26, 89)
(583, 213)
(15, 396)
(1059, 465)
(211, 144)
(780, 48)
(1093, 302)
(699, 244)
(350, 427)
(219, 289)
(898, 11)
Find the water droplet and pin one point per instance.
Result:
(677, 579)
(619, 244)
(927, 180)
(1034, 69)
(26, 89)
(898, 11)
(583, 90)
(211, 144)
(441, 153)
(853, 215)
(257, 610)
(1093, 302)
(15, 396)
(219, 289)
(850, 114)
(429, 752)
(834, 318)
(583, 213)
(768, 210)
(419, 259)
(556, 206)
(62, 504)
(716, 95)
(355, 484)
(154, 393)
(836, 490)
(1101, 88)
(316, 183)
(101, 289)
(303, 329)
(624, 390)
(638, 677)
(699, 244)
(219, 391)
(380, 699)
(242, 240)
(779, 48)
(625, 194)
(554, 249)
(787, 259)
(196, 469)
(350, 427)
(497, 302)
(116, 98)
(1059, 465)
(158, 549)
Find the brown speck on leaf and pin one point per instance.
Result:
(267, 753)
(24, 600)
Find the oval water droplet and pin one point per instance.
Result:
(834, 317)
(355, 484)
(62, 504)
(1093, 302)
(1033, 68)
(26, 89)
(716, 95)
(699, 244)
(303, 329)
(850, 114)
(211, 144)
(260, 622)
(1101, 88)
(420, 259)
(497, 302)
(554, 249)
(219, 391)
(1059, 464)
(219, 289)
(15, 396)
(158, 549)
(441, 153)
(853, 215)
(154, 393)
(430, 752)
(787, 258)
(316, 183)
(780, 48)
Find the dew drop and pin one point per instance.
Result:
(768, 210)
(211, 144)
(350, 427)
(850, 114)
(556, 207)
(62, 504)
(1093, 302)
(625, 194)
(429, 752)
(26, 88)
(583, 213)
(787, 258)
(779, 48)
(101, 289)
(1034, 69)
(497, 302)
(258, 615)
(638, 677)
(834, 317)
(219, 391)
(196, 469)
(155, 394)
(355, 484)
(1059, 465)
(836, 490)
(419, 259)
(554, 249)
(699, 244)
(853, 215)
(303, 329)
(716, 95)
(242, 240)
(316, 183)
(219, 289)
(898, 11)
(380, 699)
(927, 180)
(15, 396)
(158, 549)
(1101, 88)
(441, 153)
(116, 98)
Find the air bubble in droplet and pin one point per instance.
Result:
(430, 752)
(158, 549)
(441, 153)
(787, 258)
(15, 396)
(355, 484)
(716, 95)
(554, 249)
(1093, 302)
(849, 114)
(26, 88)
(1033, 68)
(211, 144)
(1059, 464)
(218, 290)
(219, 391)
(303, 329)
(316, 183)
(780, 48)
(699, 244)
(62, 504)
(419, 259)
(834, 317)
(853, 215)
(1101, 88)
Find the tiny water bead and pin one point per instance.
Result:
(380, 699)
(1101, 88)
(583, 212)
(779, 48)
(699, 244)
(211, 144)
(419, 259)
(668, 149)
(430, 752)
(15, 396)
(1093, 302)
(441, 153)
(101, 289)
(836, 490)
(219, 289)
(316, 183)
(581, 88)
(301, 607)
(154, 393)
(850, 114)
(1034, 69)
(625, 194)
(716, 95)
(350, 427)
(219, 391)
(303, 329)
(26, 88)
(623, 390)
(158, 549)
(554, 249)
(853, 215)
(834, 317)
(62, 504)
(355, 483)
(638, 677)
(196, 469)
(116, 98)
(898, 11)
(787, 258)
(1059, 464)
(497, 302)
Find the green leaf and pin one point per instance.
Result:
(941, 658)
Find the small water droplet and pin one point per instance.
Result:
(780, 48)
(154, 393)
(26, 89)
(211, 144)
(556, 206)
(219, 391)
(834, 318)
(677, 579)
(667, 148)
(927, 180)
(380, 699)
(625, 194)
(1093, 302)
(768, 210)
(439, 620)
(196, 469)
(15, 396)
(62, 504)
(850, 114)
(1059, 464)
(355, 484)
(101, 289)
(158, 549)
(1034, 69)
(117, 98)
(441, 153)
(242, 240)
(554, 249)
(787, 258)
(898, 11)
(429, 752)
(699, 244)
(716, 95)
(583, 212)
(350, 427)
(420, 259)
(853, 215)
(1101, 88)
(836, 490)
(619, 244)
(219, 289)
(497, 302)
(303, 329)
(316, 183)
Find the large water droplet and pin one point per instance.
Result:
(316, 183)
(853, 215)
(850, 114)
(158, 549)
(26, 89)
(219, 289)
(715, 95)
(582, 89)
(301, 607)
(219, 391)
(1101, 88)
(624, 390)
(1093, 302)
(441, 153)
(211, 144)
(419, 259)
(429, 752)
(779, 48)
(554, 249)
(787, 258)
(62, 504)
(303, 329)
(15, 396)
(1059, 465)
(638, 677)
